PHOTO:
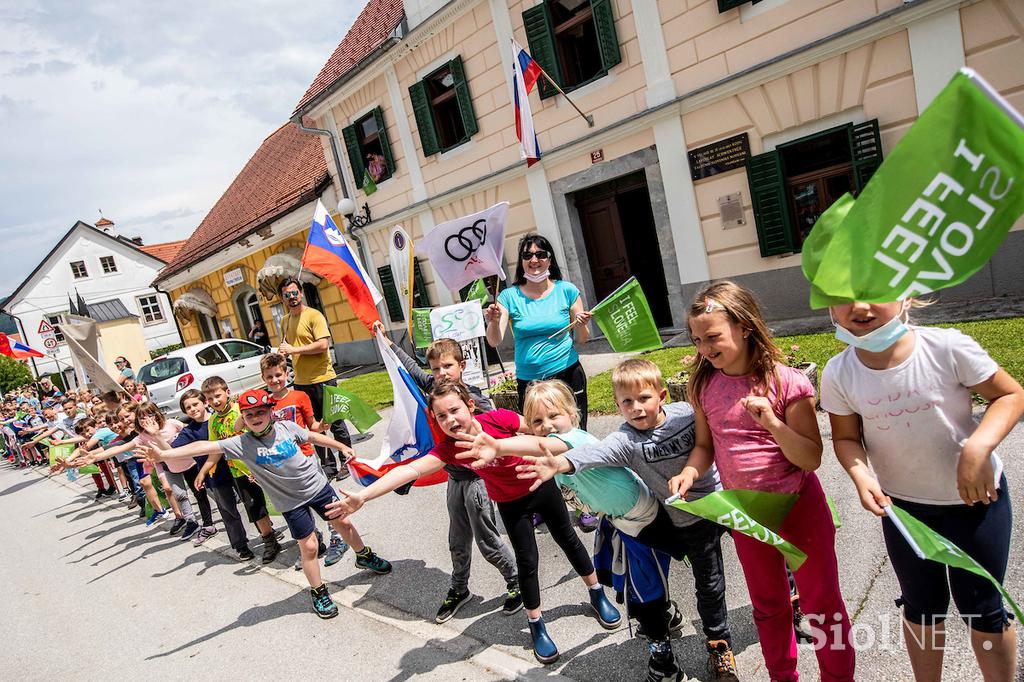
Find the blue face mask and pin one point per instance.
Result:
(876, 341)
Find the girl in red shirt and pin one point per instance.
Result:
(452, 408)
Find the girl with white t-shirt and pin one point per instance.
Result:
(899, 399)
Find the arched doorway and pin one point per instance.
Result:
(247, 304)
(207, 327)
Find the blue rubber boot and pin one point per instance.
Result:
(607, 615)
(543, 648)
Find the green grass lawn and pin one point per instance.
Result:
(1003, 339)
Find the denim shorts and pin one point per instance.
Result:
(983, 532)
(300, 520)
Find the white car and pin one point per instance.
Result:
(170, 375)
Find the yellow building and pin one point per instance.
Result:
(224, 277)
(721, 128)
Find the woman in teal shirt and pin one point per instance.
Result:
(539, 304)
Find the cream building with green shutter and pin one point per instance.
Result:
(722, 129)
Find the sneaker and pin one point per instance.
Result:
(271, 548)
(801, 627)
(155, 517)
(661, 666)
(607, 615)
(721, 662)
(674, 619)
(99, 494)
(323, 605)
(513, 599)
(335, 551)
(451, 605)
(203, 535)
(178, 526)
(587, 523)
(133, 502)
(367, 559)
(190, 529)
(110, 492)
(544, 650)
(343, 473)
(123, 496)
(245, 554)
(142, 512)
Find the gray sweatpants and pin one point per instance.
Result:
(180, 491)
(471, 517)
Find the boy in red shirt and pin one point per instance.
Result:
(294, 406)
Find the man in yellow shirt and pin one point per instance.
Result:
(306, 340)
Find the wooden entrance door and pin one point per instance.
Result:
(606, 247)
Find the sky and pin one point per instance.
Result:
(143, 110)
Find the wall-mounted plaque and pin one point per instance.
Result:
(718, 157)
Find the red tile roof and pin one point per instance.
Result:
(282, 175)
(373, 25)
(165, 252)
(103, 222)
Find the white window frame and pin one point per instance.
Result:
(142, 309)
(85, 270)
(103, 266)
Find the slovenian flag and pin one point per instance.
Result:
(328, 255)
(13, 348)
(525, 73)
(409, 435)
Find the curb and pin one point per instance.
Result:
(487, 656)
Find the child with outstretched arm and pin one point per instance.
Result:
(295, 483)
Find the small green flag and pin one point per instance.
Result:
(928, 544)
(750, 512)
(935, 210)
(625, 318)
(478, 292)
(369, 186)
(340, 404)
(421, 331)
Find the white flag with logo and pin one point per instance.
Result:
(400, 254)
(467, 249)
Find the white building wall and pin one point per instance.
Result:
(47, 292)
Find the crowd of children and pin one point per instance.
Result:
(899, 398)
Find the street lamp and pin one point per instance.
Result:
(347, 208)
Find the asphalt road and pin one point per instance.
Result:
(125, 599)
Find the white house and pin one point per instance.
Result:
(101, 267)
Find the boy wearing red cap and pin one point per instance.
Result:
(294, 483)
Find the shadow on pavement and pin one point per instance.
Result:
(10, 490)
(149, 550)
(296, 603)
(207, 559)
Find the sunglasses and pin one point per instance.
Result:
(539, 255)
(291, 294)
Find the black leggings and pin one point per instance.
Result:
(572, 375)
(546, 501)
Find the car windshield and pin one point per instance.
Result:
(161, 370)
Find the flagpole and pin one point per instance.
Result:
(586, 117)
(494, 299)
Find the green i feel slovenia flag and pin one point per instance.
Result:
(340, 404)
(421, 332)
(625, 318)
(928, 544)
(477, 292)
(935, 210)
(750, 512)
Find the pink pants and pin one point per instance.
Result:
(809, 527)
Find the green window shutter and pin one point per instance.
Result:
(424, 118)
(355, 155)
(607, 40)
(469, 123)
(726, 5)
(540, 35)
(387, 284)
(385, 145)
(420, 299)
(866, 151)
(771, 210)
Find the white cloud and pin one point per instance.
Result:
(145, 110)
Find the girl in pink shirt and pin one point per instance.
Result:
(755, 420)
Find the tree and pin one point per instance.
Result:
(13, 374)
